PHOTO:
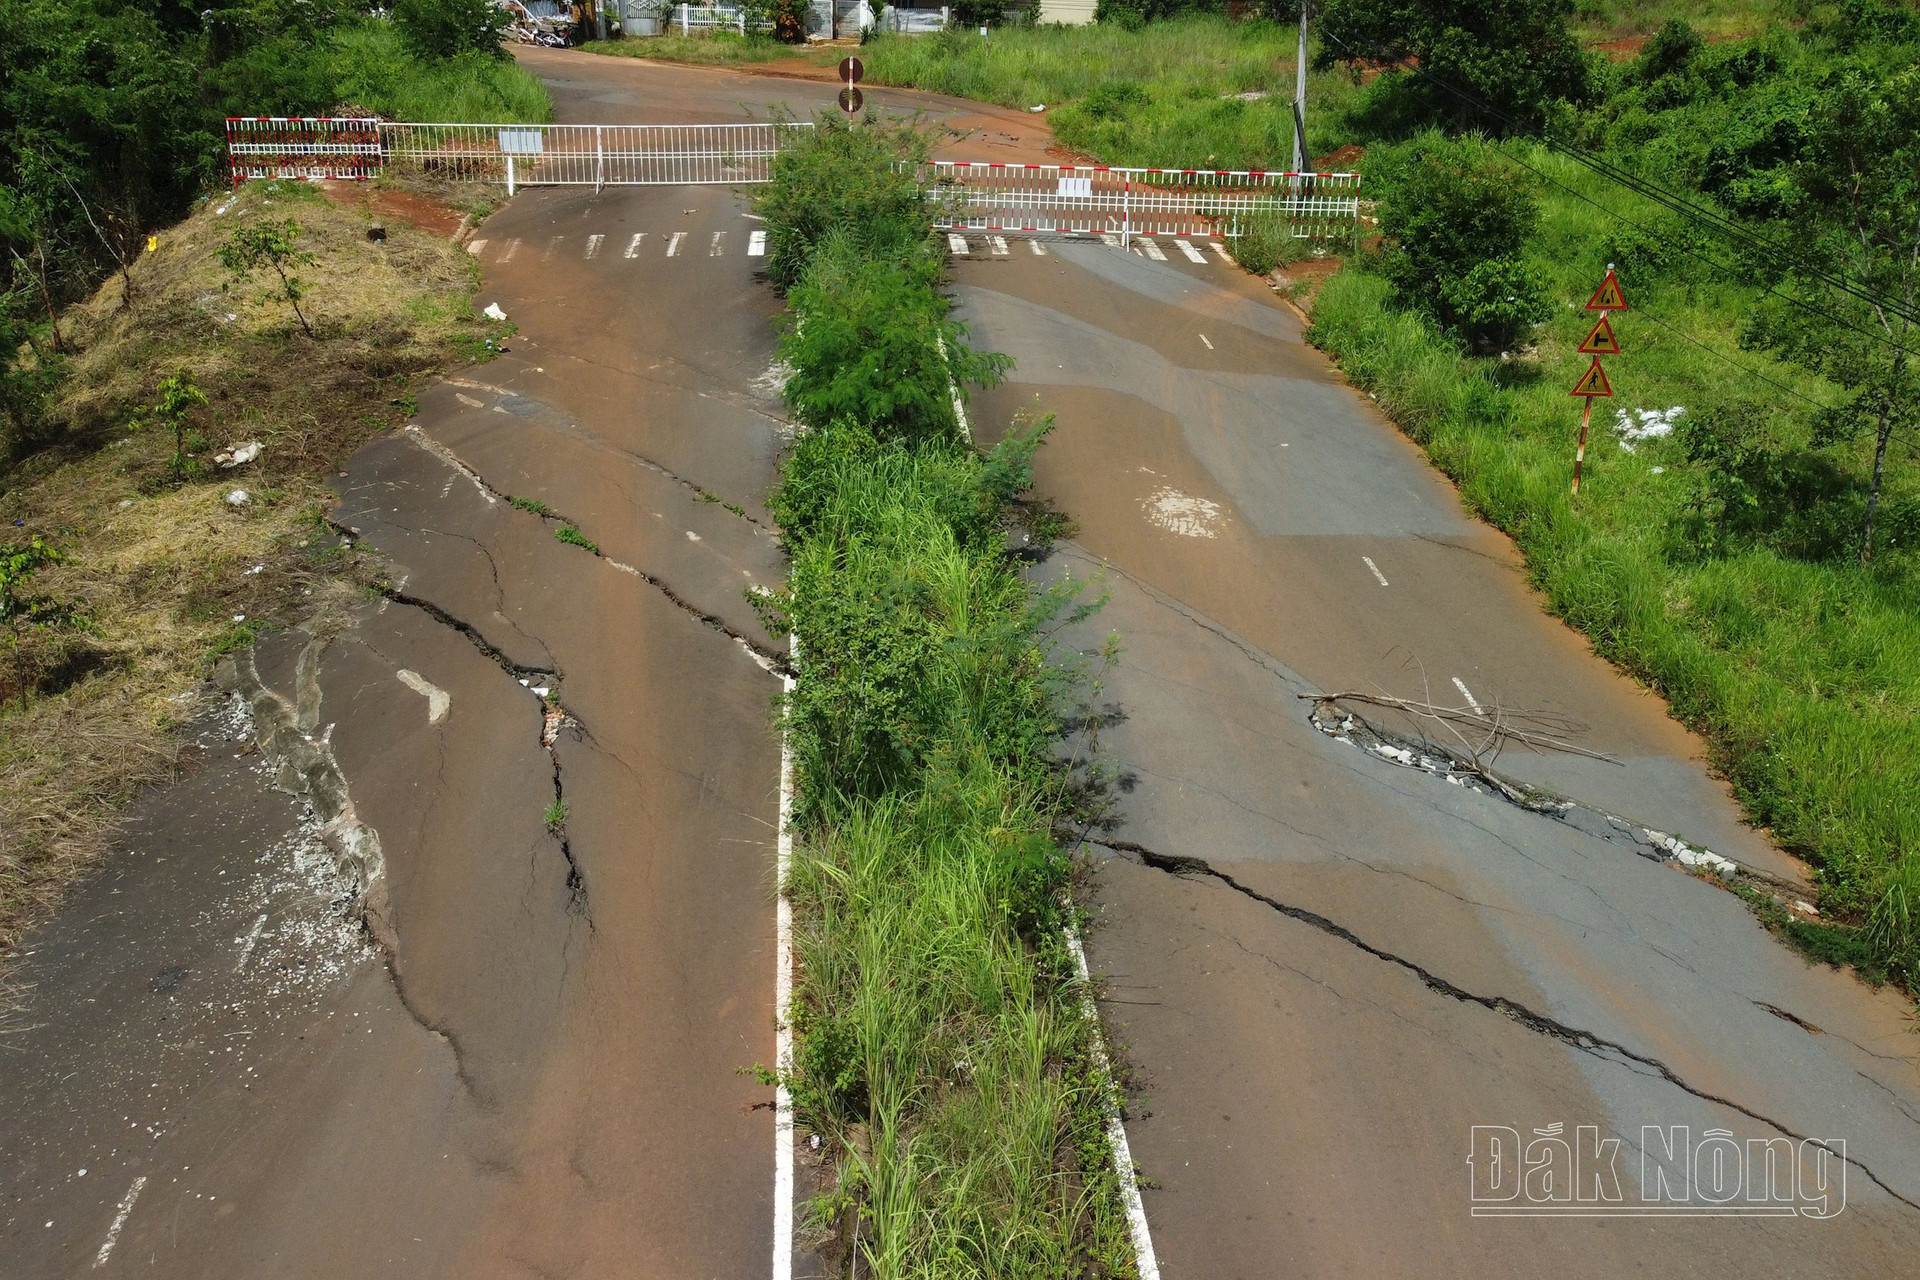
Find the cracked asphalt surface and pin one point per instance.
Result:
(1325, 968)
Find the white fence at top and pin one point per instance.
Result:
(519, 155)
(689, 18)
(1100, 199)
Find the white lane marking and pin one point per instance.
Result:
(1467, 693)
(552, 244)
(475, 246)
(633, 245)
(1222, 251)
(437, 698)
(757, 244)
(957, 243)
(673, 243)
(782, 1006)
(1203, 338)
(119, 1221)
(593, 245)
(1110, 240)
(513, 247)
(1375, 569)
(1153, 250)
(713, 249)
(1039, 250)
(248, 943)
(1123, 1172)
(999, 244)
(468, 400)
(1193, 254)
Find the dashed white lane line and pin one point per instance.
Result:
(593, 246)
(475, 246)
(1186, 247)
(1467, 693)
(999, 244)
(1203, 338)
(1110, 240)
(1039, 250)
(513, 247)
(713, 247)
(957, 243)
(553, 243)
(248, 943)
(1375, 570)
(119, 1221)
(1153, 250)
(673, 243)
(1221, 249)
(756, 244)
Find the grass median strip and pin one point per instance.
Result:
(941, 1049)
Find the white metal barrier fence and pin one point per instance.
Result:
(517, 154)
(1096, 198)
(690, 18)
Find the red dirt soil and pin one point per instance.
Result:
(395, 206)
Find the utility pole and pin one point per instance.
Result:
(1300, 160)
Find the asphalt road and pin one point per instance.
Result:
(1326, 967)
(1323, 967)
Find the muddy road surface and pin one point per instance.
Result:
(544, 770)
(1326, 963)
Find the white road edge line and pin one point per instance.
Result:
(673, 243)
(633, 245)
(782, 1007)
(119, 1221)
(1222, 251)
(757, 244)
(1467, 693)
(1203, 338)
(1375, 570)
(250, 942)
(1123, 1171)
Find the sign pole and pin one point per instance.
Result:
(1580, 454)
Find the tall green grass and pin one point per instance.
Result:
(374, 70)
(1802, 671)
(941, 1048)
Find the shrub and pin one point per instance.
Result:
(1457, 221)
(448, 28)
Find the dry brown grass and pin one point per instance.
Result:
(161, 569)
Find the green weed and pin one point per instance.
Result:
(568, 534)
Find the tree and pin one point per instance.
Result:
(179, 397)
(19, 609)
(1857, 221)
(268, 244)
(1502, 62)
(448, 28)
(1457, 220)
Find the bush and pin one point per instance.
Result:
(448, 28)
(1457, 219)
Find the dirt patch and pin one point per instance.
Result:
(388, 205)
(1341, 159)
(1300, 282)
(1623, 50)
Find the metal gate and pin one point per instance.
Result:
(517, 154)
(979, 196)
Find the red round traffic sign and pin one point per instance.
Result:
(850, 100)
(852, 70)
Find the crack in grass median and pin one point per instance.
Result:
(942, 1050)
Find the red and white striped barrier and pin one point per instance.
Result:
(1105, 199)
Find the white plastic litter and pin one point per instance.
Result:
(493, 312)
(239, 498)
(1644, 424)
(239, 455)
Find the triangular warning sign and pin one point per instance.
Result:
(1593, 382)
(1601, 341)
(1608, 296)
